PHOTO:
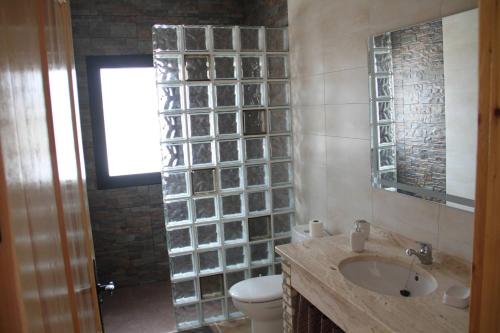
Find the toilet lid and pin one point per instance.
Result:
(259, 289)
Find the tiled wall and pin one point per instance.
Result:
(328, 61)
(417, 57)
(270, 13)
(127, 223)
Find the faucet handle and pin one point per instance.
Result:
(425, 247)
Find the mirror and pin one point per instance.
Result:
(423, 109)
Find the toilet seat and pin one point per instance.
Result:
(261, 289)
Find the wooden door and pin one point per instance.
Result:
(485, 302)
(47, 279)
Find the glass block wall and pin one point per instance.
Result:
(223, 98)
(382, 112)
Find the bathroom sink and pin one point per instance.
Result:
(387, 277)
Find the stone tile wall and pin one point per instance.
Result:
(127, 223)
(417, 56)
(270, 13)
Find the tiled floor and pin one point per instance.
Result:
(148, 309)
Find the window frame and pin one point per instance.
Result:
(94, 65)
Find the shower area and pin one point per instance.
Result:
(226, 151)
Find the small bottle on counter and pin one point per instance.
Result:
(358, 238)
(365, 227)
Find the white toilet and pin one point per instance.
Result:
(260, 298)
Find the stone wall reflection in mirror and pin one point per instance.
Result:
(423, 100)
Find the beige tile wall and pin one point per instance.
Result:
(328, 61)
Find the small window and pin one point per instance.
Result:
(125, 125)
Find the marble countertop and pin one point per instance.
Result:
(321, 257)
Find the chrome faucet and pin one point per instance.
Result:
(424, 254)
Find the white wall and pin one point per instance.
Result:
(460, 53)
(328, 61)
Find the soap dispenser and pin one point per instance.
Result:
(358, 238)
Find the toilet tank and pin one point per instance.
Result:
(300, 233)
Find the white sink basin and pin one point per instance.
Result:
(387, 277)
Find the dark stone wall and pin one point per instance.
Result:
(127, 223)
(270, 13)
(417, 54)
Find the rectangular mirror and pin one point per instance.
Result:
(423, 109)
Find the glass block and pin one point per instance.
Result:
(251, 67)
(260, 253)
(385, 111)
(254, 122)
(205, 208)
(179, 239)
(187, 316)
(281, 173)
(250, 39)
(195, 39)
(386, 134)
(177, 211)
(235, 257)
(165, 38)
(257, 202)
(212, 286)
(173, 155)
(181, 266)
(201, 153)
(172, 127)
(280, 147)
(230, 178)
(282, 224)
(278, 242)
(229, 151)
(256, 175)
(213, 311)
(383, 62)
(280, 120)
(276, 40)
(383, 87)
(232, 311)
(383, 40)
(252, 94)
(203, 181)
(388, 176)
(197, 67)
(259, 228)
(387, 157)
(233, 232)
(225, 95)
(255, 149)
(209, 261)
(175, 184)
(277, 67)
(198, 96)
(232, 205)
(225, 67)
(278, 94)
(200, 124)
(234, 277)
(223, 38)
(227, 123)
(207, 235)
(260, 271)
(184, 292)
(169, 98)
(167, 68)
(282, 198)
